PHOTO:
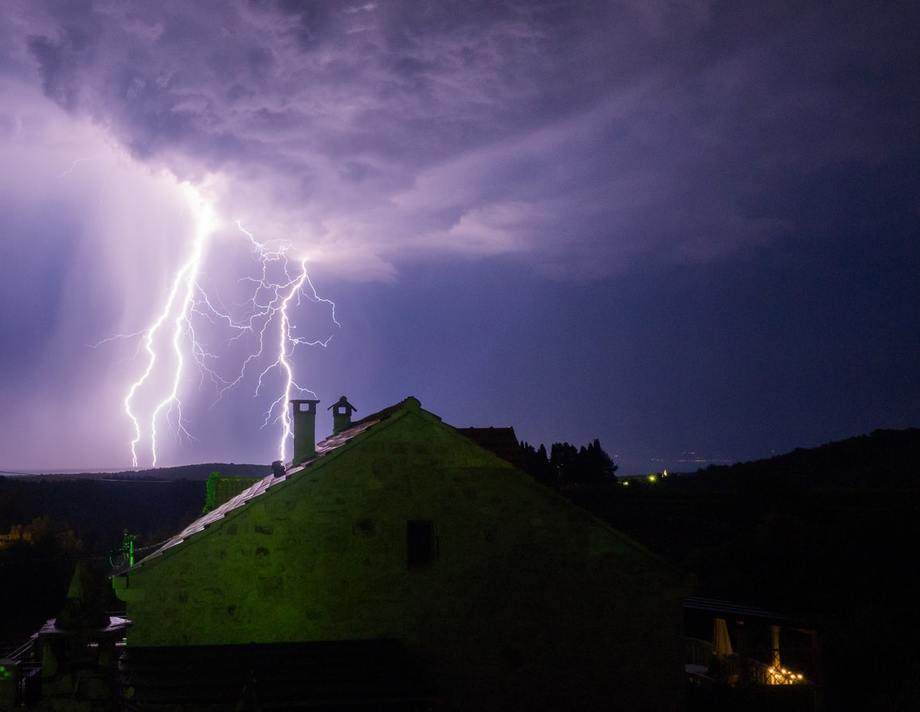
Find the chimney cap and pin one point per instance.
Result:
(303, 400)
(342, 403)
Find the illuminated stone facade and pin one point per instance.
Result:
(411, 531)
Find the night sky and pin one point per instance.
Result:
(687, 228)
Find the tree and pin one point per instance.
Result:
(585, 465)
(210, 496)
(597, 465)
(567, 464)
(564, 459)
(537, 465)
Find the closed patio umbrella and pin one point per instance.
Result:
(721, 643)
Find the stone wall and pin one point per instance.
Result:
(528, 598)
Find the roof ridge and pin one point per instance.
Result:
(384, 413)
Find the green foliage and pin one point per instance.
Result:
(210, 497)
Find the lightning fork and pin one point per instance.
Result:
(184, 282)
(270, 303)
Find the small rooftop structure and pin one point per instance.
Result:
(341, 415)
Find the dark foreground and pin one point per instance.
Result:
(824, 534)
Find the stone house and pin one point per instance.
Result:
(401, 528)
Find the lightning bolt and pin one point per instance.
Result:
(277, 289)
(276, 308)
(184, 283)
(286, 342)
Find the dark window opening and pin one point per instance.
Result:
(420, 543)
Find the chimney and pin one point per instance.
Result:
(341, 415)
(304, 417)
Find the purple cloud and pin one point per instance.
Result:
(577, 140)
(374, 132)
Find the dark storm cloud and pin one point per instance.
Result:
(578, 135)
(748, 170)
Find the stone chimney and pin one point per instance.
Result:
(304, 418)
(341, 415)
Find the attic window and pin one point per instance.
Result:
(420, 543)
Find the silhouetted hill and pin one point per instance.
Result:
(822, 533)
(886, 459)
(181, 472)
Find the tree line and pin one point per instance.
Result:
(566, 464)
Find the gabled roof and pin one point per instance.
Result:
(495, 440)
(331, 447)
(324, 450)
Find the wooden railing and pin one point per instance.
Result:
(727, 669)
(697, 651)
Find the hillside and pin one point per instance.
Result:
(818, 533)
(180, 472)
(883, 459)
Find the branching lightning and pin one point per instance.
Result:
(280, 296)
(184, 283)
(276, 290)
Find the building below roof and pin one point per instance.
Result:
(500, 441)
(400, 527)
(339, 675)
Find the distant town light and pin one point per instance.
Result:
(652, 478)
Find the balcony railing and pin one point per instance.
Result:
(732, 669)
